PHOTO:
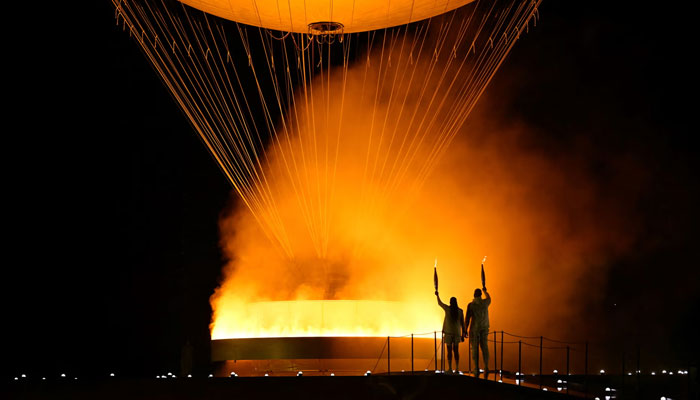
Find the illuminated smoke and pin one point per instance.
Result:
(358, 232)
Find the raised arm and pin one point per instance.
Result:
(488, 297)
(440, 303)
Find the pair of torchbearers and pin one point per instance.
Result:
(455, 326)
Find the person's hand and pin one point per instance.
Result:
(484, 289)
(436, 293)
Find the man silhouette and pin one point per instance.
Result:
(478, 315)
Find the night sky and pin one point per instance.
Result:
(113, 202)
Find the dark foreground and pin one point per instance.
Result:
(424, 386)
(318, 387)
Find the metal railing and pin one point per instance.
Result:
(499, 343)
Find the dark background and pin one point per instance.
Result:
(112, 202)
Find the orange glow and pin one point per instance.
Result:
(326, 318)
(364, 226)
(355, 15)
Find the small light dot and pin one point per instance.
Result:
(332, 374)
(63, 375)
(24, 376)
(211, 376)
(112, 374)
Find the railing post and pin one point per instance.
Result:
(622, 382)
(435, 342)
(585, 374)
(442, 352)
(388, 355)
(638, 371)
(495, 356)
(501, 371)
(520, 353)
(411, 354)
(540, 362)
(567, 369)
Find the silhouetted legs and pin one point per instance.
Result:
(477, 340)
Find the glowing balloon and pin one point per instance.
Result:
(354, 15)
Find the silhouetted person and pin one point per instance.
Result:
(478, 315)
(452, 328)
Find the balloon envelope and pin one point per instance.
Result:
(355, 15)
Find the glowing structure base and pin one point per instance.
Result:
(323, 355)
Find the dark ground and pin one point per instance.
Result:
(369, 388)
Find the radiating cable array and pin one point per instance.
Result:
(278, 109)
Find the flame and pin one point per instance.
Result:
(326, 318)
